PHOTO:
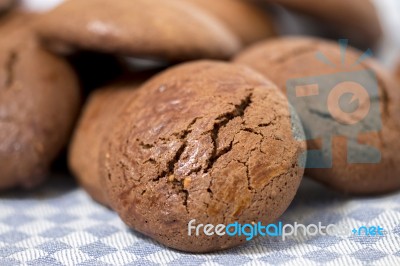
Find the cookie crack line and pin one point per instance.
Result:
(9, 67)
(223, 120)
(171, 163)
(245, 164)
(237, 112)
(180, 185)
(169, 172)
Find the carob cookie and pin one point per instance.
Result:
(357, 19)
(205, 140)
(99, 113)
(243, 18)
(285, 59)
(171, 30)
(39, 100)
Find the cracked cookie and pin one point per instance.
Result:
(39, 100)
(205, 140)
(285, 59)
(170, 30)
(245, 19)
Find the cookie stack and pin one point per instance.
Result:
(189, 136)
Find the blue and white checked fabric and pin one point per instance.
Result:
(59, 224)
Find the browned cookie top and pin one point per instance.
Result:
(290, 58)
(205, 140)
(171, 30)
(243, 18)
(39, 100)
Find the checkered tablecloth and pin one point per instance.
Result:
(59, 224)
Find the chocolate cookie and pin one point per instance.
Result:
(357, 19)
(99, 113)
(205, 140)
(39, 99)
(290, 60)
(243, 18)
(94, 123)
(171, 30)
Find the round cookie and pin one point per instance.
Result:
(357, 19)
(94, 124)
(243, 18)
(205, 140)
(170, 30)
(285, 59)
(39, 100)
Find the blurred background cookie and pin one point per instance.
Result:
(285, 59)
(169, 30)
(39, 101)
(205, 140)
(6, 4)
(100, 111)
(356, 20)
(94, 124)
(244, 18)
